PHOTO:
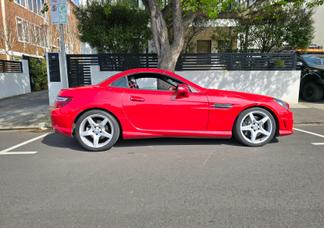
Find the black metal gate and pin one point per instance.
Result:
(78, 67)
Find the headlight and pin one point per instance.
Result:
(282, 103)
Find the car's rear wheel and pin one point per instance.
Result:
(312, 91)
(255, 127)
(97, 130)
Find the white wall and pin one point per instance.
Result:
(318, 18)
(280, 84)
(12, 84)
(53, 90)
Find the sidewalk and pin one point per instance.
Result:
(308, 113)
(25, 111)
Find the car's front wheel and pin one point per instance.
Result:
(255, 127)
(97, 130)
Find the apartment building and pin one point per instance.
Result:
(26, 29)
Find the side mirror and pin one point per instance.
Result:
(299, 63)
(182, 91)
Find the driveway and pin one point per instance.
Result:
(24, 111)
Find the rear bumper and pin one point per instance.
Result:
(61, 122)
(286, 123)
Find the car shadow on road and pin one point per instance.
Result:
(60, 141)
(174, 142)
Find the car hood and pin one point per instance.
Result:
(234, 95)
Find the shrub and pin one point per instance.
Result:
(38, 74)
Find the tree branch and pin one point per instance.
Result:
(178, 29)
(159, 27)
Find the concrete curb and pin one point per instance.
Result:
(32, 129)
(43, 126)
(309, 123)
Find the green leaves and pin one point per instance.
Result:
(281, 27)
(38, 74)
(208, 8)
(117, 28)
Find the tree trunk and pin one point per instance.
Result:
(168, 52)
(168, 60)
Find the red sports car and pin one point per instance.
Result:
(148, 103)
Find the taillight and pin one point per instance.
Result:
(61, 101)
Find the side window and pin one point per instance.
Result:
(148, 81)
(122, 83)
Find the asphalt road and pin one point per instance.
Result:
(162, 183)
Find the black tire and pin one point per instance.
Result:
(312, 91)
(113, 121)
(238, 134)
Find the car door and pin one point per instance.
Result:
(160, 110)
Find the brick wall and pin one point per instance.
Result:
(41, 26)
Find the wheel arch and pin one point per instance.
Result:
(263, 107)
(102, 109)
(309, 77)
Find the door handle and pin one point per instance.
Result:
(135, 98)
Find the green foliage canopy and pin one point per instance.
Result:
(286, 27)
(116, 28)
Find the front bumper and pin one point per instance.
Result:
(286, 123)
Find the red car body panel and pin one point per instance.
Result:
(153, 113)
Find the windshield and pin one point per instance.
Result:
(313, 60)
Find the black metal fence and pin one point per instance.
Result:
(219, 61)
(7, 66)
(79, 65)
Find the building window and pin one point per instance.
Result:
(39, 6)
(31, 33)
(203, 46)
(21, 2)
(39, 36)
(20, 30)
(30, 5)
(44, 41)
(25, 31)
(35, 6)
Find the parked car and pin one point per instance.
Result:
(312, 76)
(148, 103)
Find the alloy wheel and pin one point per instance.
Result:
(96, 131)
(256, 127)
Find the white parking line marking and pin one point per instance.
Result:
(19, 152)
(309, 132)
(312, 133)
(5, 151)
(318, 144)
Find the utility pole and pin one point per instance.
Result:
(58, 12)
(63, 66)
